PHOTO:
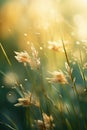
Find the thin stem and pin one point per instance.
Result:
(83, 75)
(4, 52)
(21, 89)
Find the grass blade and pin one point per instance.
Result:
(5, 54)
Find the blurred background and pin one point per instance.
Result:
(23, 22)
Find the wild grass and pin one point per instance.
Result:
(51, 100)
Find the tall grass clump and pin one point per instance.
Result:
(43, 69)
(51, 99)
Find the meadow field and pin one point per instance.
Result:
(43, 65)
